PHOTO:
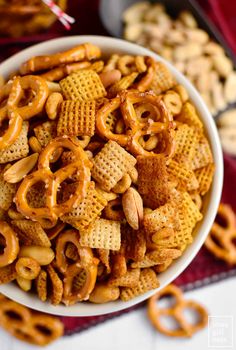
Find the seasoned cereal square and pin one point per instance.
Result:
(77, 118)
(103, 234)
(111, 164)
(82, 86)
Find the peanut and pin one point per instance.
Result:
(20, 169)
(133, 207)
(42, 255)
(103, 293)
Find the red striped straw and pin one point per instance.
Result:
(65, 19)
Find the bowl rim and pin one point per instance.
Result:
(211, 203)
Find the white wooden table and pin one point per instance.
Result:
(133, 330)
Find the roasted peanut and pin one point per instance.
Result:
(133, 207)
(42, 255)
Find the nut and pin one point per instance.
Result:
(228, 139)
(20, 169)
(187, 52)
(133, 207)
(188, 20)
(23, 283)
(53, 105)
(230, 88)
(135, 13)
(103, 293)
(133, 31)
(35, 144)
(228, 119)
(110, 77)
(43, 255)
(197, 36)
(53, 87)
(223, 65)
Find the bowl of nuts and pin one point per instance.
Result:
(111, 175)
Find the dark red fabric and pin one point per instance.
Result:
(224, 14)
(204, 268)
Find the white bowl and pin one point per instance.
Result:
(211, 201)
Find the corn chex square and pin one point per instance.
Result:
(188, 115)
(103, 234)
(111, 164)
(19, 149)
(82, 86)
(163, 79)
(188, 215)
(205, 176)
(186, 140)
(87, 211)
(7, 192)
(77, 118)
(203, 155)
(153, 181)
(164, 216)
(147, 281)
(31, 233)
(185, 177)
(45, 132)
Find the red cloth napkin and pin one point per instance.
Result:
(224, 14)
(205, 268)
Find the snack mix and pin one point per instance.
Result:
(104, 167)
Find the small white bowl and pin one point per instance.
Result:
(211, 201)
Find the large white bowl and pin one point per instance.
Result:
(211, 201)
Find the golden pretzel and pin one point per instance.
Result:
(61, 72)
(11, 249)
(40, 89)
(13, 131)
(113, 210)
(15, 120)
(185, 329)
(48, 215)
(224, 234)
(4, 94)
(27, 268)
(86, 262)
(146, 81)
(159, 122)
(78, 53)
(34, 328)
(101, 118)
(133, 106)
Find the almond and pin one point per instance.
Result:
(21, 168)
(133, 207)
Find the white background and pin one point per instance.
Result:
(133, 330)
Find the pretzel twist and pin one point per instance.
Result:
(40, 90)
(15, 120)
(31, 327)
(78, 53)
(133, 105)
(146, 81)
(185, 329)
(11, 249)
(225, 235)
(49, 214)
(86, 262)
